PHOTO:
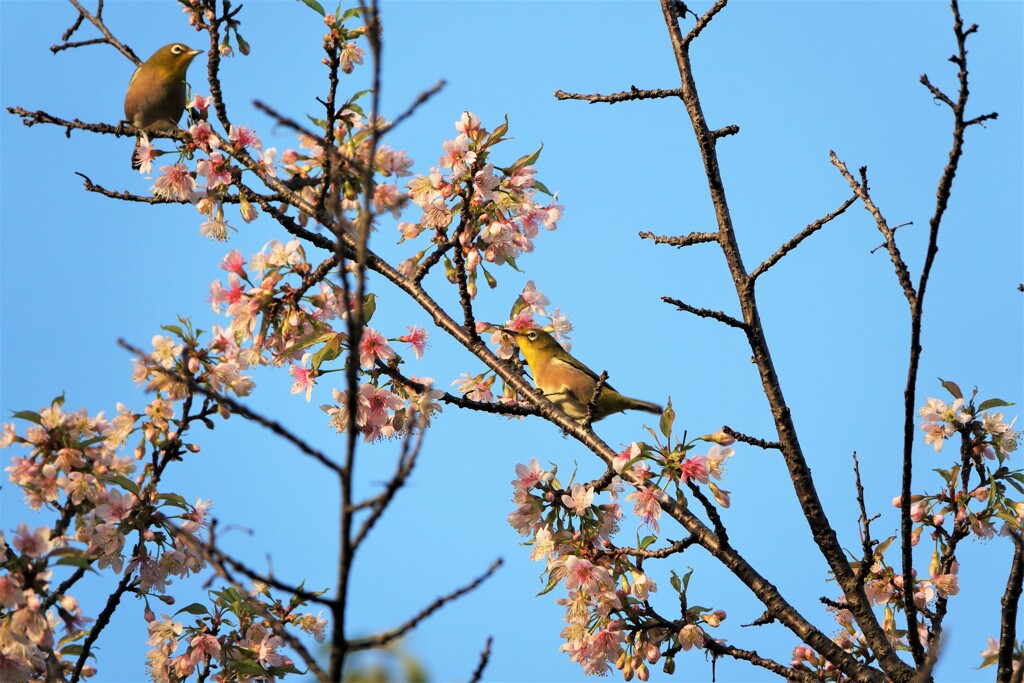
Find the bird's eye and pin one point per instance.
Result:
(177, 49)
(532, 336)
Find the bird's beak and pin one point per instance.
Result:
(508, 331)
(193, 53)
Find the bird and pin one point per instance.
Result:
(156, 93)
(567, 382)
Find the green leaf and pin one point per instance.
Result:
(512, 262)
(196, 608)
(349, 13)
(686, 578)
(72, 650)
(993, 403)
(319, 123)
(491, 282)
(173, 329)
(59, 400)
(527, 159)
(883, 546)
(667, 418)
(495, 137)
(676, 583)
(28, 415)
(315, 6)
(327, 352)
(75, 561)
(174, 500)
(952, 388)
(309, 340)
(122, 481)
(541, 187)
(647, 541)
(552, 582)
(369, 307)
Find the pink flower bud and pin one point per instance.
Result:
(148, 614)
(897, 501)
(938, 519)
(192, 447)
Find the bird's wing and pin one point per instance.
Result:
(573, 363)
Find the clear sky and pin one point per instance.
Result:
(799, 78)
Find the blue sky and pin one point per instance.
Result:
(799, 78)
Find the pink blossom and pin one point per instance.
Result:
(373, 347)
(648, 505)
(534, 299)
(351, 54)
(458, 156)
(695, 468)
(485, 182)
(622, 458)
(145, 154)
(584, 575)
(580, 498)
(196, 519)
(204, 646)
(387, 197)
(417, 339)
(243, 136)
(476, 388)
(176, 182)
(691, 636)
(216, 170)
(203, 137)
(234, 263)
(529, 475)
(118, 506)
(715, 460)
(32, 544)
(305, 378)
(468, 124)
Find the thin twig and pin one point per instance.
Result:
(706, 313)
(633, 93)
(800, 237)
(681, 240)
(382, 639)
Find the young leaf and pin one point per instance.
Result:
(315, 6)
(993, 403)
(196, 608)
(952, 388)
(667, 418)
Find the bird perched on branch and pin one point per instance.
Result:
(156, 92)
(568, 383)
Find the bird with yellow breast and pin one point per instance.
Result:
(156, 94)
(567, 382)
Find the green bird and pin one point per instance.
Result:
(568, 383)
(156, 92)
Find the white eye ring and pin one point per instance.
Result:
(532, 336)
(177, 49)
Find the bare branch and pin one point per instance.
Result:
(633, 93)
(96, 21)
(760, 443)
(239, 409)
(704, 20)
(705, 313)
(382, 639)
(800, 237)
(681, 240)
(1010, 603)
(485, 657)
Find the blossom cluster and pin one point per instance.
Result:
(972, 500)
(234, 636)
(609, 617)
(74, 467)
(498, 213)
(278, 317)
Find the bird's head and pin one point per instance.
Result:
(535, 344)
(174, 57)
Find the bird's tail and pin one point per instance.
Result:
(637, 404)
(136, 164)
